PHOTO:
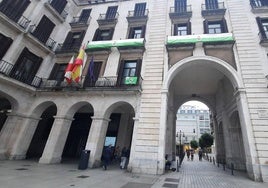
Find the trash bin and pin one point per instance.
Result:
(83, 163)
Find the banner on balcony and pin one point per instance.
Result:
(131, 80)
(190, 39)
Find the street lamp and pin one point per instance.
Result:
(180, 146)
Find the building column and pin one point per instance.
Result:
(252, 160)
(96, 139)
(24, 138)
(227, 137)
(10, 133)
(56, 140)
(171, 131)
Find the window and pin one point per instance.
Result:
(14, 8)
(58, 72)
(182, 29)
(212, 4)
(201, 117)
(5, 44)
(103, 34)
(84, 15)
(215, 27)
(90, 80)
(180, 6)
(263, 27)
(136, 32)
(259, 3)
(111, 12)
(73, 40)
(139, 9)
(26, 67)
(44, 29)
(58, 5)
(129, 69)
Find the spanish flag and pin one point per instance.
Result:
(78, 65)
(68, 71)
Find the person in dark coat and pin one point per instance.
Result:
(107, 155)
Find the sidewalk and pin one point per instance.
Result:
(192, 174)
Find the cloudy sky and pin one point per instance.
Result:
(197, 104)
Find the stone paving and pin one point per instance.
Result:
(192, 174)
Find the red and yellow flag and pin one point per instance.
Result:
(68, 70)
(78, 65)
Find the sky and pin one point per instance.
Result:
(198, 104)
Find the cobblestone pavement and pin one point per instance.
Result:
(192, 174)
(204, 174)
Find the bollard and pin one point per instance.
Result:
(223, 165)
(213, 160)
(232, 168)
(178, 166)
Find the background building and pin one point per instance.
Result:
(150, 57)
(191, 123)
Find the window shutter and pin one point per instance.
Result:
(139, 9)
(111, 12)
(259, 22)
(175, 30)
(224, 27)
(143, 31)
(84, 15)
(189, 28)
(138, 68)
(96, 35)
(54, 71)
(120, 72)
(44, 29)
(59, 5)
(205, 25)
(111, 33)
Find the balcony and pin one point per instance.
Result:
(258, 6)
(67, 48)
(60, 14)
(102, 83)
(181, 12)
(79, 22)
(213, 10)
(136, 16)
(104, 19)
(8, 70)
(49, 43)
(20, 20)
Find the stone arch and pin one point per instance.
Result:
(75, 107)
(119, 104)
(214, 62)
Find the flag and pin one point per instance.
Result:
(78, 65)
(91, 69)
(68, 70)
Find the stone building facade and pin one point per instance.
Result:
(150, 57)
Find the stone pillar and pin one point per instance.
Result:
(226, 135)
(170, 133)
(162, 133)
(95, 140)
(252, 161)
(9, 133)
(133, 144)
(56, 140)
(24, 138)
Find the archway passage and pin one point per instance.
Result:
(119, 133)
(214, 83)
(41, 134)
(78, 134)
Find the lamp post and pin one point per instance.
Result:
(180, 147)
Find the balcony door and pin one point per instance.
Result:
(58, 5)
(212, 4)
(180, 6)
(139, 9)
(14, 8)
(44, 29)
(111, 12)
(26, 67)
(90, 80)
(84, 15)
(129, 70)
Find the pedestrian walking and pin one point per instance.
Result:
(107, 156)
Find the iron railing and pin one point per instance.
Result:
(133, 13)
(80, 21)
(258, 3)
(105, 17)
(24, 22)
(213, 6)
(68, 47)
(7, 69)
(178, 10)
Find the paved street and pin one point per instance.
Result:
(192, 174)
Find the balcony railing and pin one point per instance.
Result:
(105, 19)
(80, 22)
(258, 3)
(12, 14)
(68, 48)
(7, 70)
(50, 43)
(178, 12)
(102, 82)
(134, 16)
(213, 9)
